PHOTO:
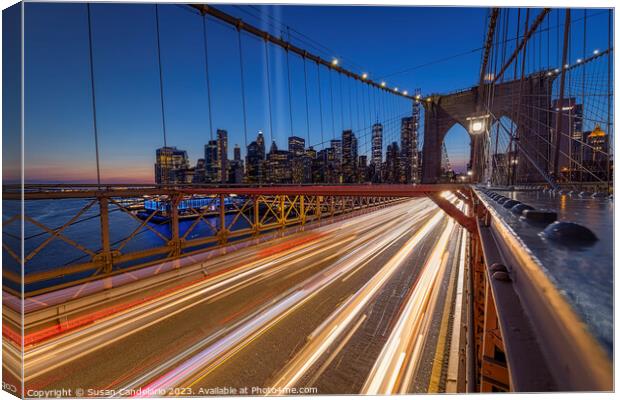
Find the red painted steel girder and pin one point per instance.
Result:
(465, 221)
(327, 190)
(385, 190)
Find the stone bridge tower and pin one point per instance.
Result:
(534, 99)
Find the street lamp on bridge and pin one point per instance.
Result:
(477, 125)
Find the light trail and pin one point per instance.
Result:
(337, 324)
(258, 313)
(73, 345)
(215, 354)
(394, 369)
(361, 255)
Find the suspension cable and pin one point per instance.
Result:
(341, 95)
(318, 75)
(245, 118)
(161, 78)
(519, 103)
(357, 101)
(583, 83)
(207, 74)
(350, 102)
(92, 92)
(331, 93)
(609, 126)
(290, 98)
(306, 92)
(558, 122)
(269, 90)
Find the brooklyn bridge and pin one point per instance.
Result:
(354, 258)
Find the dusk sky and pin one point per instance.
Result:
(381, 41)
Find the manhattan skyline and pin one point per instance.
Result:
(57, 85)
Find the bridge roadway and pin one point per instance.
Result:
(354, 306)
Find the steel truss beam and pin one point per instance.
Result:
(257, 211)
(539, 19)
(488, 44)
(47, 192)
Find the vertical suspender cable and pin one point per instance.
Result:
(307, 107)
(609, 61)
(92, 92)
(245, 118)
(376, 104)
(516, 124)
(396, 113)
(341, 102)
(496, 56)
(357, 100)
(269, 89)
(331, 94)
(583, 89)
(518, 31)
(207, 75)
(350, 103)
(369, 98)
(161, 78)
(161, 91)
(364, 109)
(318, 75)
(383, 110)
(290, 99)
(558, 38)
(548, 17)
(372, 105)
(558, 120)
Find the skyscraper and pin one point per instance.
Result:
(377, 144)
(278, 165)
(318, 167)
(309, 157)
(255, 160)
(296, 152)
(376, 159)
(171, 165)
(392, 164)
(407, 150)
(571, 135)
(336, 161)
(362, 169)
(324, 167)
(260, 141)
(336, 144)
(211, 162)
(200, 172)
(296, 146)
(310, 152)
(417, 160)
(349, 157)
(235, 167)
(222, 156)
(596, 155)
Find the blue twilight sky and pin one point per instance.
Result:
(381, 41)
